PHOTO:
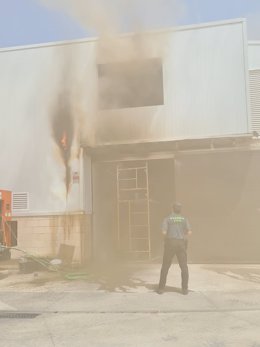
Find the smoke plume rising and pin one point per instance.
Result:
(107, 17)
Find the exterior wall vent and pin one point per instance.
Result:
(254, 89)
(20, 201)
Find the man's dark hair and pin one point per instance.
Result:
(176, 206)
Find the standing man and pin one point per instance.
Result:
(175, 229)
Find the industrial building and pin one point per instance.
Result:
(100, 136)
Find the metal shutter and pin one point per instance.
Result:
(254, 88)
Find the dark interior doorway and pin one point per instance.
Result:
(220, 192)
(105, 201)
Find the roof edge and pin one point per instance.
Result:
(150, 32)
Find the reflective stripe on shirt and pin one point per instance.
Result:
(176, 226)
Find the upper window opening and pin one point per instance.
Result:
(131, 84)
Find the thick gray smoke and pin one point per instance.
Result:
(108, 17)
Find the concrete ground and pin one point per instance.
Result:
(118, 306)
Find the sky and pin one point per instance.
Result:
(24, 22)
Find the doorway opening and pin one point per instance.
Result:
(131, 198)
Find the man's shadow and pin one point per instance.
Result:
(167, 289)
(120, 276)
(115, 276)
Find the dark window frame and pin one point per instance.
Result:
(136, 83)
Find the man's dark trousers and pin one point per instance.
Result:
(174, 247)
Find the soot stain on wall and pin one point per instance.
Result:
(62, 125)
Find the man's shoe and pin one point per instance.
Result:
(160, 291)
(185, 291)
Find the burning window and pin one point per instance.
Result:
(131, 84)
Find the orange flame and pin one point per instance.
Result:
(63, 140)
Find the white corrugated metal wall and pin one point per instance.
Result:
(254, 77)
(205, 88)
(205, 94)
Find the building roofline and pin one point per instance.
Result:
(253, 42)
(168, 148)
(150, 32)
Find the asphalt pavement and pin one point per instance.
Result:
(117, 305)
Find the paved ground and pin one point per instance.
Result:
(118, 306)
